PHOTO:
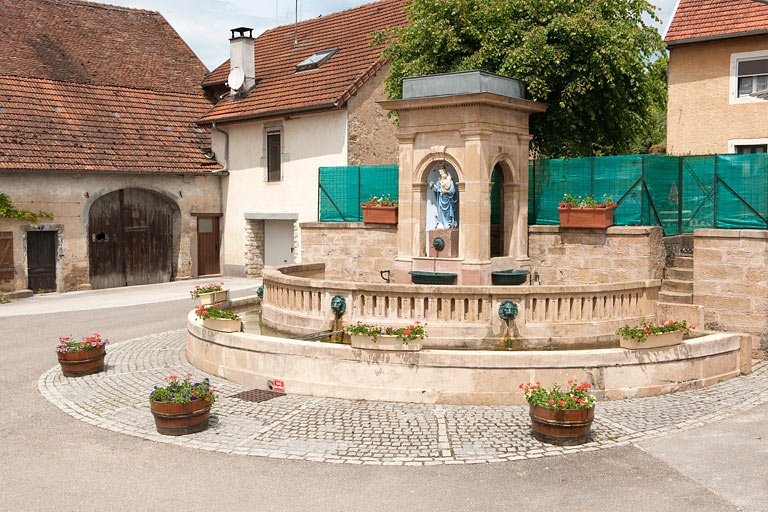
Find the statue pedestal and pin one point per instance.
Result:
(451, 239)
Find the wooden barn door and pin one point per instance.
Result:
(147, 234)
(130, 239)
(41, 261)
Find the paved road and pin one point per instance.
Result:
(703, 451)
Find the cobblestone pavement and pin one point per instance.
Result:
(361, 432)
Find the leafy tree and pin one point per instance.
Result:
(592, 61)
(9, 211)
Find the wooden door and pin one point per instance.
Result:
(41, 261)
(208, 246)
(147, 235)
(130, 239)
(105, 254)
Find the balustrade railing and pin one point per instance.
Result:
(460, 316)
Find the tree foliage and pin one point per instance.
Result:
(9, 211)
(594, 62)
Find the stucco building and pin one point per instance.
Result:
(718, 66)
(294, 99)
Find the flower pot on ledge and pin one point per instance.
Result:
(379, 214)
(214, 297)
(222, 324)
(599, 218)
(384, 342)
(664, 339)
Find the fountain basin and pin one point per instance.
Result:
(438, 278)
(462, 376)
(510, 277)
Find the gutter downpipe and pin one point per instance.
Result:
(224, 166)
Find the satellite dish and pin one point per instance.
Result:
(236, 78)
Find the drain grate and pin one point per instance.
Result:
(257, 395)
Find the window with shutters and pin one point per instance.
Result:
(6, 255)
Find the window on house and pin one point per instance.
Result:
(747, 149)
(753, 76)
(316, 60)
(274, 154)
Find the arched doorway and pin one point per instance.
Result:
(130, 239)
(497, 212)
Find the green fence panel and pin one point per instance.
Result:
(339, 194)
(741, 192)
(379, 181)
(698, 179)
(660, 205)
(342, 189)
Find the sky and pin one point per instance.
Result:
(205, 24)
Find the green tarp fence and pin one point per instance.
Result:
(342, 189)
(678, 193)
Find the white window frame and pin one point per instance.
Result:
(744, 142)
(733, 96)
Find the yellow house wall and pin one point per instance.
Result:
(701, 117)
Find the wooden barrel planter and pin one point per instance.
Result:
(564, 427)
(173, 419)
(84, 362)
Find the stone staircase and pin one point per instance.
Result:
(677, 285)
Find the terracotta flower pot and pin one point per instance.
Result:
(586, 217)
(179, 419)
(85, 362)
(565, 427)
(380, 214)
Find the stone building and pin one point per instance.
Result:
(97, 127)
(718, 67)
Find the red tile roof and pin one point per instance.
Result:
(280, 89)
(93, 87)
(63, 126)
(76, 41)
(697, 20)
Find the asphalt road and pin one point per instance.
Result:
(51, 461)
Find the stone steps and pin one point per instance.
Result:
(677, 285)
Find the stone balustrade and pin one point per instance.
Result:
(297, 300)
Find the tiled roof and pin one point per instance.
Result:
(84, 42)
(281, 89)
(48, 126)
(696, 20)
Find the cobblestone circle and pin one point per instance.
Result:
(361, 432)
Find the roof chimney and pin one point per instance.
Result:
(242, 72)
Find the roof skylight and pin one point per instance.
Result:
(316, 60)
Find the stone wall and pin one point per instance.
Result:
(371, 133)
(254, 248)
(730, 271)
(352, 251)
(571, 256)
